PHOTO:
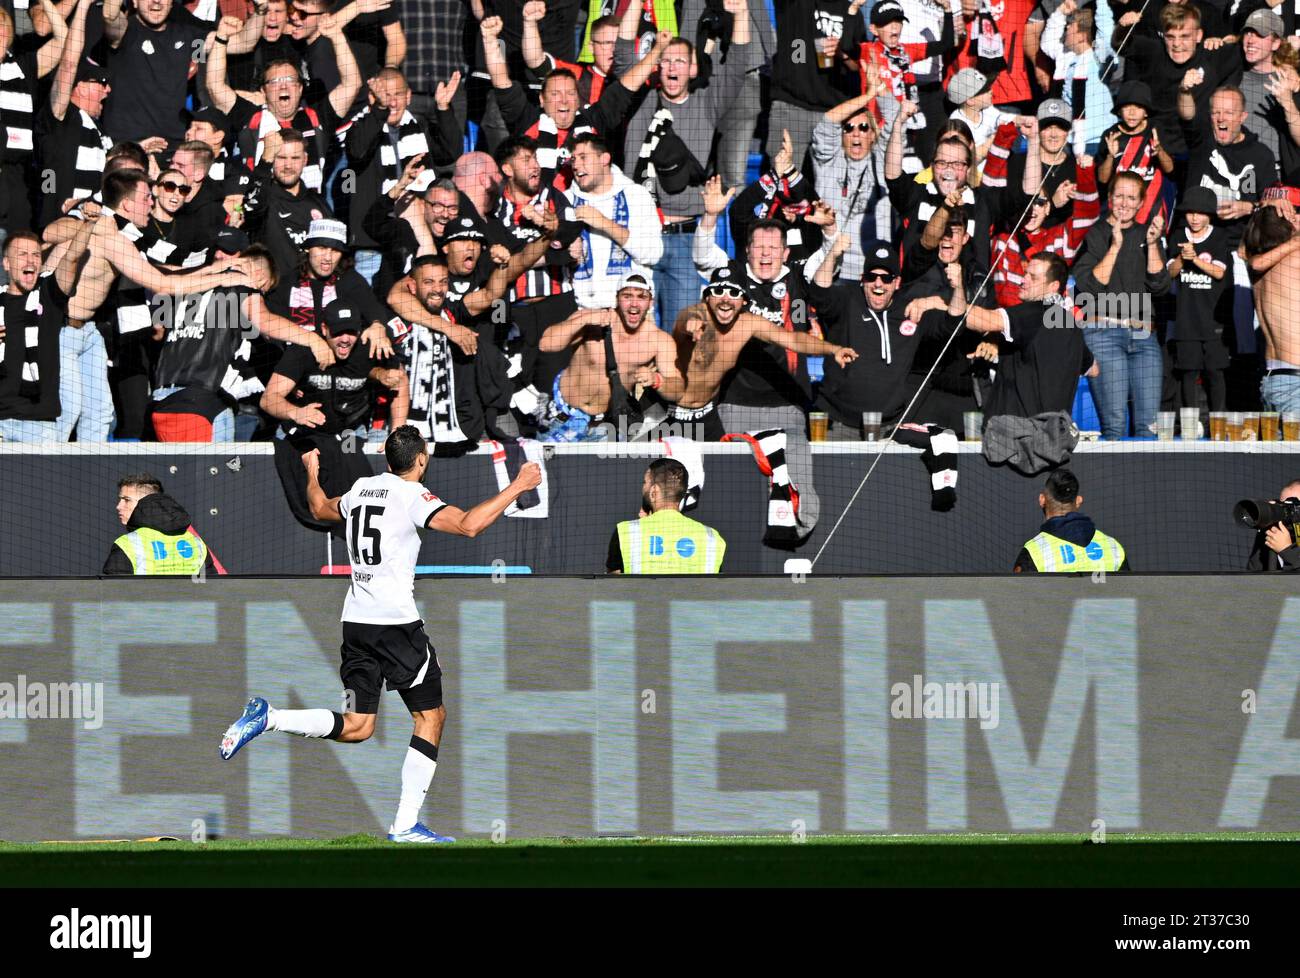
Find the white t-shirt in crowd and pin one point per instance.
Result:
(987, 127)
(595, 280)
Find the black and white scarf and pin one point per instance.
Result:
(433, 382)
(547, 136)
(92, 155)
(30, 384)
(939, 455)
(411, 142)
(661, 123)
(132, 300)
(554, 154)
(306, 121)
(507, 459)
(15, 111)
(926, 208)
(687, 451)
(783, 496)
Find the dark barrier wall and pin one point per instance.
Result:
(1171, 509)
(622, 706)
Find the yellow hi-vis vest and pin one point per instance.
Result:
(1052, 555)
(667, 542)
(154, 553)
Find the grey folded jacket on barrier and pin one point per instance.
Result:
(1030, 445)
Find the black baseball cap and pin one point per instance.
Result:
(886, 12)
(212, 116)
(342, 317)
(462, 229)
(725, 279)
(232, 241)
(880, 256)
(88, 69)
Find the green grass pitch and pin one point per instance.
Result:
(1211, 859)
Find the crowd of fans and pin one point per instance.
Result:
(247, 219)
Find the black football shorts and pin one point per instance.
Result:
(400, 655)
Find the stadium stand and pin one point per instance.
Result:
(838, 238)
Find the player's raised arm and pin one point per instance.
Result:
(322, 508)
(459, 522)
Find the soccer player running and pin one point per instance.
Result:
(383, 636)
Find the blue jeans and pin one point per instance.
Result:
(1281, 393)
(677, 283)
(1131, 368)
(18, 430)
(84, 395)
(223, 425)
(367, 264)
(245, 426)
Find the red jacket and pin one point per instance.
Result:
(1011, 253)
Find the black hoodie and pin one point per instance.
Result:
(157, 511)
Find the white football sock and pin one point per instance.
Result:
(417, 774)
(304, 723)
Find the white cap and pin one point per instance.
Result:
(636, 279)
(327, 233)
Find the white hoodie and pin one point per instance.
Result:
(595, 280)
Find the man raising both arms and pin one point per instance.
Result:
(383, 636)
(613, 351)
(710, 336)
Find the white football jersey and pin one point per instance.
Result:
(382, 518)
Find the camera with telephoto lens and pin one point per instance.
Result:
(1260, 514)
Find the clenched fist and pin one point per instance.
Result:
(529, 477)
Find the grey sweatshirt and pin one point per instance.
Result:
(1124, 295)
(695, 121)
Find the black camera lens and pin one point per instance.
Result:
(1259, 514)
(1247, 513)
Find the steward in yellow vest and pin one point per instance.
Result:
(1069, 542)
(160, 541)
(665, 542)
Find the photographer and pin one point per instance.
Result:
(1275, 546)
